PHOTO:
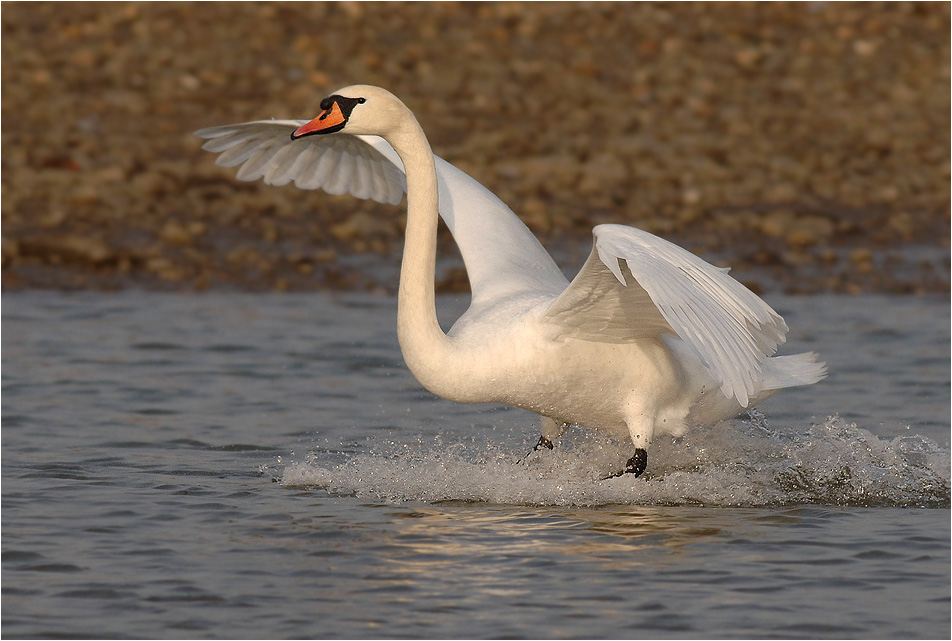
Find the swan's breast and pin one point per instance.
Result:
(516, 361)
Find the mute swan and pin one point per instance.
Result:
(646, 340)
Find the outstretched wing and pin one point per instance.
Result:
(635, 284)
(336, 164)
(502, 256)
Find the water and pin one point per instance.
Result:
(248, 466)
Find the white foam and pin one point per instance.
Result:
(734, 463)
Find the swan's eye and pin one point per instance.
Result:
(361, 100)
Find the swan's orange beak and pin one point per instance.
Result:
(329, 119)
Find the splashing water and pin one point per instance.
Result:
(734, 463)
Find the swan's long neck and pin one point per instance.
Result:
(426, 349)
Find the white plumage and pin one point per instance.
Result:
(645, 340)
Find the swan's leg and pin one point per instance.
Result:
(641, 428)
(551, 431)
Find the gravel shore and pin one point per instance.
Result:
(807, 145)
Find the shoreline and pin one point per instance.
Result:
(804, 145)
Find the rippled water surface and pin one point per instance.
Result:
(251, 466)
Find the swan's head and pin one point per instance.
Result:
(358, 109)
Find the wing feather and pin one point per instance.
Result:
(339, 168)
(363, 183)
(635, 284)
(239, 153)
(306, 171)
(227, 140)
(257, 163)
(279, 173)
(338, 164)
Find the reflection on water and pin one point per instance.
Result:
(648, 523)
(639, 566)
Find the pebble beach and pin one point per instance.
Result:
(806, 145)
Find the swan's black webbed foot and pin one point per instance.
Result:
(636, 465)
(543, 443)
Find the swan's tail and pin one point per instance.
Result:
(792, 371)
(778, 372)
